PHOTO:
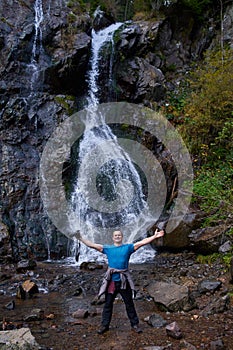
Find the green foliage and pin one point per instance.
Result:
(212, 258)
(208, 259)
(230, 232)
(227, 259)
(208, 112)
(173, 108)
(213, 189)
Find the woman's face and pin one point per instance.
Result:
(117, 237)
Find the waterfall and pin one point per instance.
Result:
(34, 68)
(117, 179)
(37, 44)
(99, 39)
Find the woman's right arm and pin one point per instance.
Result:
(90, 244)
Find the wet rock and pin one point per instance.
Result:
(27, 289)
(208, 286)
(69, 61)
(10, 305)
(184, 345)
(138, 80)
(170, 296)
(156, 321)
(217, 305)
(30, 287)
(208, 240)
(226, 247)
(174, 331)
(81, 313)
(90, 266)
(25, 265)
(35, 315)
(102, 20)
(179, 238)
(138, 37)
(20, 339)
(217, 345)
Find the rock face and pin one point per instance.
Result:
(43, 68)
(30, 67)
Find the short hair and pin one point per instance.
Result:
(117, 231)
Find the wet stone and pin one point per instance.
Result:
(25, 265)
(80, 313)
(184, 345)
(10, 305)
(209, 286)
(173, 331)
(156, 321)
(35, 315)
(217, 345)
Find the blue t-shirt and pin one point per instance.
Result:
(118, 257)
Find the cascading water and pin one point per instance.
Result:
(115, 172)
(34, 69)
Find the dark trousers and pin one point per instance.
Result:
(129, 305)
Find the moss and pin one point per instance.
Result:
(66, 102)
(210, 259)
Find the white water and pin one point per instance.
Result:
(99, 148)
(34, 66)
(98, 40)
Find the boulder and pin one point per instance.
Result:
(18, 339)
(178, 239)
(170, 296)
(208, 240)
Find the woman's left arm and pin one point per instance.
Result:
(148, 240)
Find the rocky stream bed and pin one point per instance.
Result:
(62, 315)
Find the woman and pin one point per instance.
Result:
(117, 278)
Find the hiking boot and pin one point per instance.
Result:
(103, 329)
(136, 328)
